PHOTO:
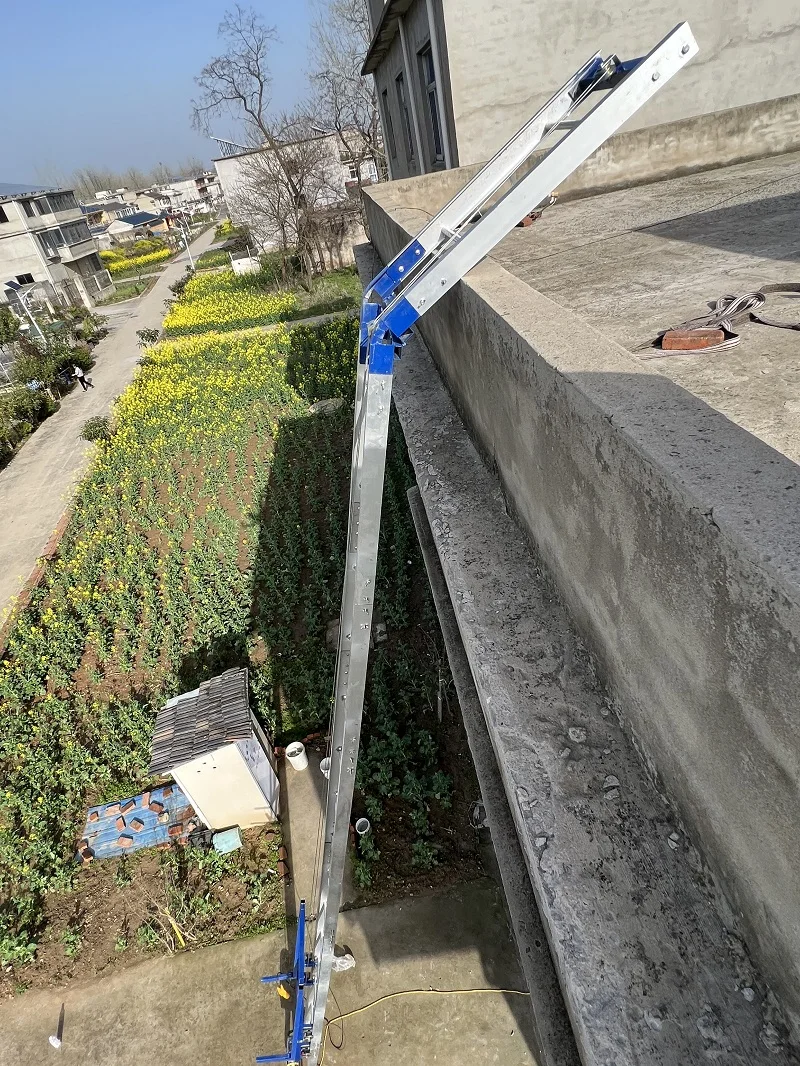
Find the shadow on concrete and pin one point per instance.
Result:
(767, 228)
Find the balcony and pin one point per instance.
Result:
(69, 253)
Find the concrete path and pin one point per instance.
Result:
(39, 481)
(210, 1007)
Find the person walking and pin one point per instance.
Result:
(86, 383)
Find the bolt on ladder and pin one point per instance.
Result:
(453, 242)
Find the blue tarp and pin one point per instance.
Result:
(146, 821)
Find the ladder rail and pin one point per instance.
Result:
(457, 211)
(427, 268)
(355, 627)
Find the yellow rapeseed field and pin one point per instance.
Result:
(226, 301)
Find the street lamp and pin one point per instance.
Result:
(17, 288)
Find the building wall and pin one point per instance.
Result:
(506, 59)
(235, 172)
(402, 162)
(20, 254)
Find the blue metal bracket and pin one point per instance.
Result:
(385, 283)
(301, 975)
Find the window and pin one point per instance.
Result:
(3, 215)
(76, 232)
(49, 241)
(25, 279)
(60, 201)
(428, 72)
(400, 82)
(27, 207)
(352, 166)
(387, 118)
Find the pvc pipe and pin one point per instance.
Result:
(363, 826)
(325, 766)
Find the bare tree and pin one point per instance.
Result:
(291, 215)
(344, 101)
(161, 174)
(192, 167)
(281, 187)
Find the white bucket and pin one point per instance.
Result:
(296, 754)
(363, 826)
(325, 766)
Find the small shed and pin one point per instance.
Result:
(211, 743)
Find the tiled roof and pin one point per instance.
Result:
(198, 722)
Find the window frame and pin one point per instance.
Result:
(405, 114)
(430, 89)
(387, 114)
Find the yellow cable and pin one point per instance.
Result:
(415, 992)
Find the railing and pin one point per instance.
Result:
(100, 280)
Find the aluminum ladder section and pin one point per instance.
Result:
(444, 251)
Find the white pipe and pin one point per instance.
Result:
(437, 66)
(411, 97)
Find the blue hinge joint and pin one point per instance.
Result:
(385, 283)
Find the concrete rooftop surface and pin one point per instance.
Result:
(636, 261)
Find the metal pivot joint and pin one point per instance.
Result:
(450, 245)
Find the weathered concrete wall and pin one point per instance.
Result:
(506, 59)
(752, 131)
(672, 535)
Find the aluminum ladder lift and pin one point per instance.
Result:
(453, 242)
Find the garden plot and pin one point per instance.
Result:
(210, 533)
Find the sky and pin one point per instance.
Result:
(110, 84)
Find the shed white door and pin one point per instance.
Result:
(223, 790)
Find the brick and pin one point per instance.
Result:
(125, 841)
(163, 846)
(145, 800)
(120, 822)
(691, 340)
(112, 808)
(283, 870)
(94, 816)
(137, 825)
(155, 806)
(127, 805)
(83, 844)
(167, 791)
(283, 853)
(175, 830)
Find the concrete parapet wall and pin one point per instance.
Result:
(642, 155)
(672, 535)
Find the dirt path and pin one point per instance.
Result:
(38, 482)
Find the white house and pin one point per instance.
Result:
(46, 246)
